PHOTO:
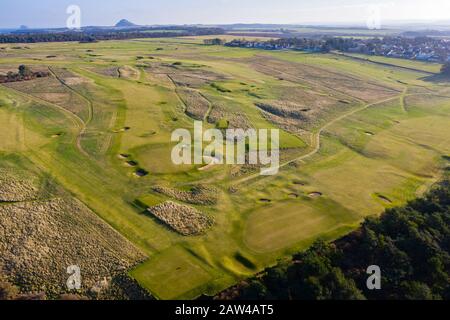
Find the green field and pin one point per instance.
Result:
(373, 136)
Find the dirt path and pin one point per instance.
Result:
(175, 90)
(185, 107)
(210, 106)
(90, 111)
(317, 137)
(77, 121)
(403, 99)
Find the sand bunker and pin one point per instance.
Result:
(315, 194)
(122, 129)
(131, 163)
(128, 72)
(123, 156)
(141, 173)
(384, 198)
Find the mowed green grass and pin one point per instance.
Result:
(392, 150)
(172, 278)
(418, 65)
(12, 138)
(375, 159)
(288, 223)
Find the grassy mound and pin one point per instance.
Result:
(183, 219)
(199, 194)
(196, 105)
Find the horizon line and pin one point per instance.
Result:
(303, 24)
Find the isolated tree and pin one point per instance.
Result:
(24, 71)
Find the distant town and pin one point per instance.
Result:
(417, 48)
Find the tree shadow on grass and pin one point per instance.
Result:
(437, 78)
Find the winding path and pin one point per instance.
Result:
(78, 122)
(317, 137)
(90, 112)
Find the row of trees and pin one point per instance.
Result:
(97, 35)
(410, 244)
(24, 73)
(214, 42)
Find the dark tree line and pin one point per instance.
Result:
(410, 244)
(97, 35)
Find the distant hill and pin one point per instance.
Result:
(125, 23)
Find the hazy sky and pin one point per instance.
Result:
(52, 13)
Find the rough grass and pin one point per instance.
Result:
(128, 72)
(196, 105)
(44, 231)
(319, 77)
(51, 90)
(108, 71)
(181, 218)
(185, 74)
(41, 239)
(15, 186)
(227, 110)
(198, 194)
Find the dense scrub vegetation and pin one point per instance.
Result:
(44, 230)
(24, 73)
(121, 287)
(410, 244)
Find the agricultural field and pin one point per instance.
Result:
(91, 145)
